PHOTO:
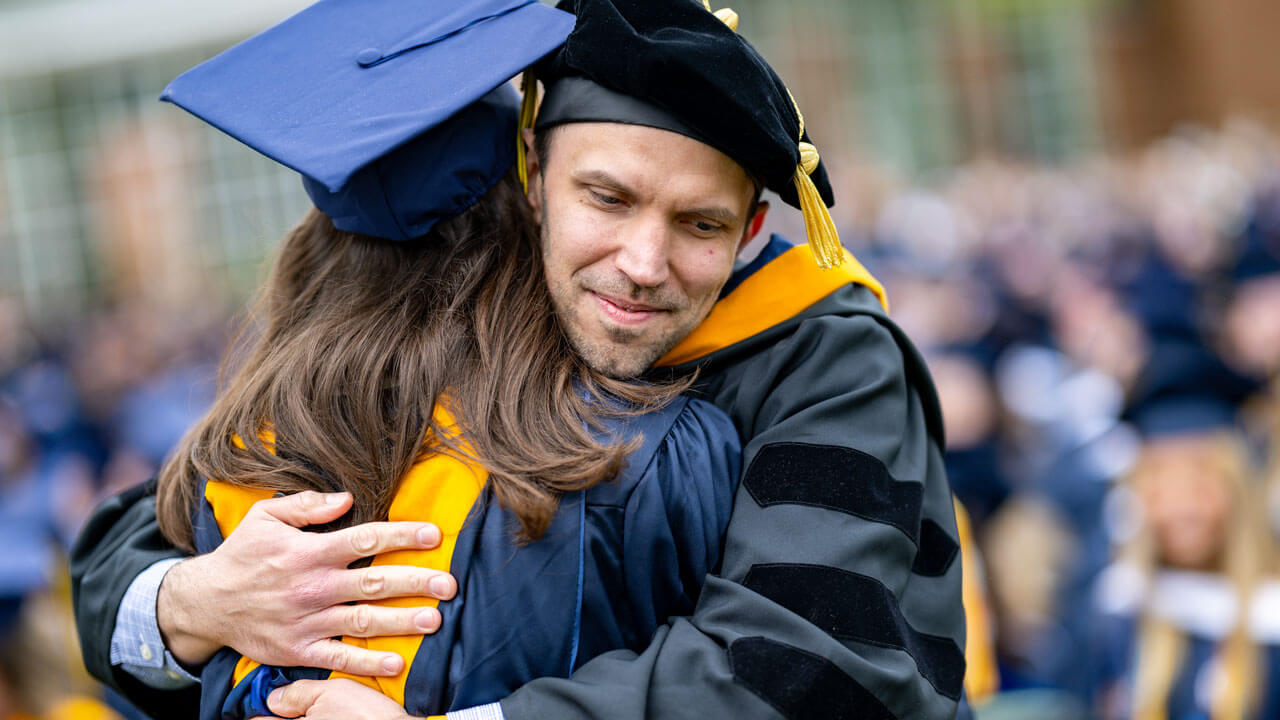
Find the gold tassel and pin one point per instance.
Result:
(824, 241)
(725, 15)
(728, 17)
(528, 108)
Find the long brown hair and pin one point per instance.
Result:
(1161, 646)
(354, 341)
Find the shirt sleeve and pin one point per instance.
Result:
(839, 595)
(493, 711)
(121, 540)
(137, 645)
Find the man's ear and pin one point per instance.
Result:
(754, 224)
(533, 171)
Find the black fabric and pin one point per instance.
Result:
(837, 478)
(937, 550)
(578, 99)
(867, 612)
(810, 687)
(681, 58)
(121, 539)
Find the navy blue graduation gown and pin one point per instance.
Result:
(1202, 607)
(617, 561)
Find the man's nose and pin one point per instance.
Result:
(645, 254)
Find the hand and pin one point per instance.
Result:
(277, 594)
(333, 700)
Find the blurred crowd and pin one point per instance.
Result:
(85, 411)
(1105, 339)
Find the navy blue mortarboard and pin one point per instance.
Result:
(1260, 255)
(1162, 299)
(674, 65)
(394, 111)
(1185, 388)
(1192, 413)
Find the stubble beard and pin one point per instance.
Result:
(617, 352)
(619, 361)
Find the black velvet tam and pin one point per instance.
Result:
(682, 59)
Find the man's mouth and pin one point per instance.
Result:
(623, 311)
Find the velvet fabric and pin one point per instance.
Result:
(763, 665)
(836, 478)
(677, 56)
(868, 613)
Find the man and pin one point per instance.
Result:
(839, 591)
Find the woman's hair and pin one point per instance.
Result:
(354, 342)
(1245, 556)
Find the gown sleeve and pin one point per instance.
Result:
(120, 541)
(675, 519)
(839, 592)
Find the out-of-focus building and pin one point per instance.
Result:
(926, 84)
(105, 194)
(1172, 62)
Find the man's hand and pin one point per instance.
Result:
(333, 700)
(278, 595)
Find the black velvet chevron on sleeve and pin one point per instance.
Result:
(837, 478)
(937, 550)
(810, 687)
(850, 606)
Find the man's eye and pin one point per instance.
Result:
(606, 199)
(707, 227)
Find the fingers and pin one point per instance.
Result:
(380, 582)
(377, 621)
(295, 699)
(337, 655)
(305, 508)
(379, 537)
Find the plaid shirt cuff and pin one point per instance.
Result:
(136, 643)
(492, 711)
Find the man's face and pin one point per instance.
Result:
(639, 231)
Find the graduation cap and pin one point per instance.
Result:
(1185, 388)
(675, 65)
(395, 112)
(1164, 300)
(1260, 255)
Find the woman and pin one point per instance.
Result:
(409, 355)
(1189, 622)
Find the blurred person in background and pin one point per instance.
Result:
(144, 375)
(1249, 337)
(1188, 621)
(40, 676)
(1080, 289)
(41, 506)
